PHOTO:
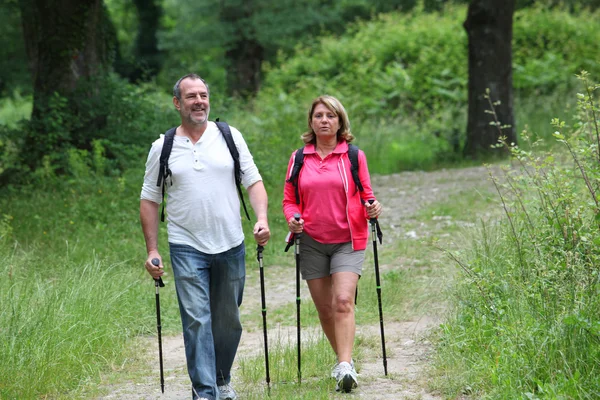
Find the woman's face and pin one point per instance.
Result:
(324, 123)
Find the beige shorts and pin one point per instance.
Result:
(318, 260)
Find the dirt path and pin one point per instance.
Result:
(403, 196)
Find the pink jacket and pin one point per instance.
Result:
(355, 211)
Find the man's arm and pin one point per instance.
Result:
(149, 220)
(259, 201)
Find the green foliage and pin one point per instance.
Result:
(107, 122)
(14, 108)
(416, 63)
(571, 5)
(123, 15)
(527, 310)
(550, 46)
(208, 34)
(403, 81)
(9, 152)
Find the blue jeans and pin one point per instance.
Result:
(209, 290)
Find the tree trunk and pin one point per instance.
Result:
(66, 41)
(148, 58)
(245, 54)
(489, 30)
(245, 58)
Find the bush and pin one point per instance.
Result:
(107, 122)
(408, 72)
(527, 316)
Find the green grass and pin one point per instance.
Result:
(66, 322)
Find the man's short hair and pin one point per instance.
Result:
(177, 89)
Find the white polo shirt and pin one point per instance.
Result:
(203, 208)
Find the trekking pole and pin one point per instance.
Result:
(297, 249)
(159, 283)
(259, 257)
(374, 232)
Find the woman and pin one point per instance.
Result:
(334, 223)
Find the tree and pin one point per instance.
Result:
(489, 31)
(13, 77)
(245, 53)
(240, 35)
(139, 60)
(146, 41)
(66, 41)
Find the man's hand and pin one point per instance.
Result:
(261, 233)
(154, 270)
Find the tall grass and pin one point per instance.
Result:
(66, 327)
(527, 320)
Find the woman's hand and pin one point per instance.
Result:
(373, 210)
(296, 226)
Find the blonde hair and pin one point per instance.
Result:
(335, 106)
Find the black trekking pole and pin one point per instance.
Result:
(297, 249)
(374, 233)
(159, 283)
(259, 257)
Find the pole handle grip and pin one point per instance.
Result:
(159, 281)
(297, 217)
(372, 220)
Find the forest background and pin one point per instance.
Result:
(72, 159)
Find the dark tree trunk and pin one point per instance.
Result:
(66, 41)
(489, 30)
(148, 58)
(245, 59)
(245, 54)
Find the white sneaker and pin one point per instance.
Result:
(335, 368)
(226, 392)
(346, 378)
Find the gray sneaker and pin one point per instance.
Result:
(226, 392)
(346, 378)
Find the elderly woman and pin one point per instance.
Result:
(334, 222)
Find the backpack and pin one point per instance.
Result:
(299, 162)
(164, 172)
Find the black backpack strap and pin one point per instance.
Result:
(353, 155)
(164, 172)
(293, 179)
(226, 132)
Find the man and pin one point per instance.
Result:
(206, 240)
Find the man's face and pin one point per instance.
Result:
(194, 105)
